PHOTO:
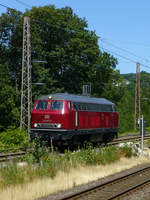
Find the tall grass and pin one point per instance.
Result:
(42, 164)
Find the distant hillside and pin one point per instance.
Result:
(130, 79)
(129, 76)
(127, 108)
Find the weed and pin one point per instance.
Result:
(109, 154)
(148, 143)
(11, 174)
(39, 151)
(127, 151)
(42, 163)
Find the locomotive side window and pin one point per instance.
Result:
(41, 105)
(114, 108)
(93, 107)
(84, 107)
(107, 108)
(56, 105)
(80, 106)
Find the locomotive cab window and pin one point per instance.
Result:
(70, 105)
(41, 105)
(56, 105)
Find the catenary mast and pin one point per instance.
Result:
(137, 97)
(26, 94)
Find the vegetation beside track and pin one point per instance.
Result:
(13, 139)
(42, 164)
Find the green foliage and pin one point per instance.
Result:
(13, 138)
(102, 73)
(12, 175)
(114, 89)
(48, 164)
(88, 156)
(127, 151)
(126, 105)
(126, 112)
(39, 151)
(148, 143)
(9, 112)
(109, 155)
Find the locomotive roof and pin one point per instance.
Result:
(75, 98)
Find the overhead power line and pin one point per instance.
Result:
(122, 49)
(124, 57)
(24, 4)
(6, 6)
(127, 42)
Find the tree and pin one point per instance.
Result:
(8, 109)
(126, 112)
(103, 73)
(62, 39)
(115, 88)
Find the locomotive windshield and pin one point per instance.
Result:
(56, 105)
(41, 105)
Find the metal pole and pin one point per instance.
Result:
(26, 95)
(137, 96)
(142, 137)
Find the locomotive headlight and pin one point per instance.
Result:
(58, 125)
(35, 125)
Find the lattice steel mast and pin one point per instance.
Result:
(26, 95)
(137, 97)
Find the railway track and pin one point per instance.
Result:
(10, 156)
(117, 188)
(128, 139)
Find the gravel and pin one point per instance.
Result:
(143, 194)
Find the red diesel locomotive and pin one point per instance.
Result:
(73, 119)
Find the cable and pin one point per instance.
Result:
(130, 42)
(124, 57)
(6, 7)
(24, 4)
(129, 52)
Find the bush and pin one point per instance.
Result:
(14, 139)
(109, 154)
(127, 151)
(88, 156)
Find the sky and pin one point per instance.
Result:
(123, 26)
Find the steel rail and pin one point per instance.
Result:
(99, 188)
(10, 155)
(127, 139)
(132, 189)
